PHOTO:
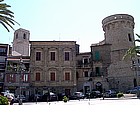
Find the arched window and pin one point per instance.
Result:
(16, 35)
(24, 36)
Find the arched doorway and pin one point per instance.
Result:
(99, 86)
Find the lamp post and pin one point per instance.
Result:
(21, 69)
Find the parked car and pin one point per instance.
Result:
(53, 96)
(134, 90)
(38, 97)
(77, 95)
(110, 93)
(22, 97)
(94, 94)
(60, 96)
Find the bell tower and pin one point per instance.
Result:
(21, 41)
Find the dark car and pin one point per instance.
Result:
(110, 93)
(60, 96)
(134, 90)
(53, 96)
(77, 96)
(20, 97)
(94, 94)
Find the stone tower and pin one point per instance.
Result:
(119, 32)
(21, 42)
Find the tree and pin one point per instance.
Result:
(133, 51)
(6, 16)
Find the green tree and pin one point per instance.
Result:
(133, 51)
(6, 16)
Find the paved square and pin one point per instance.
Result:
(75, 120)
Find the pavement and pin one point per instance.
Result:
(95, 119)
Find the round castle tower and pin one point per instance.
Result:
(119, 32)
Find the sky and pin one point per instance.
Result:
(67, 20)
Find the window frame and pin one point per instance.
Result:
(38, 76)
(52, 77)
(67, 56)
(67, 75)
(53, 56)
(38, 56)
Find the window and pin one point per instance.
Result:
(67, 76)
(10, 78)
(1, 77)
(25, 78)
(24, 36)
(85, 60)
(97, 69)
(3, 51)
(85, 73)
(97, 55)
(67, 56)
(129, 37)
(52, 56)
(38, 56)
(16, 35)
(52, 76)
(138, 61)
(37, 76)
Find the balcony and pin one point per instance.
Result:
(80, 64)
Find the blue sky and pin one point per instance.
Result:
(70, 20)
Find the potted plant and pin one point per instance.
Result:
(119, 95)
(65, 99)
(3, 100)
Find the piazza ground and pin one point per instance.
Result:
(96, 119)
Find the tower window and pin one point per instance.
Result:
(129, 37)
(17, 36)
(24, 36)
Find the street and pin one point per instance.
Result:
(75, 120)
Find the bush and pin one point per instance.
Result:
(65, 99)
(3, 100)
(119, 95)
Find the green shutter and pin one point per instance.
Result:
(97, 55)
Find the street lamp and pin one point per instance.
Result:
(20, 70)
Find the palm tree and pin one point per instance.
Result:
(6, 16)
(133, 51)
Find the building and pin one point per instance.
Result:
(119, 37)
(100, 61)
(17, 72)
(83, 69)
(17, 76)
(58, 66)
(53, 66)
(3, 57)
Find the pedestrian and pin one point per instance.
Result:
(10, 99)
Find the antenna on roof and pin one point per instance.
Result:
(59, 36)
